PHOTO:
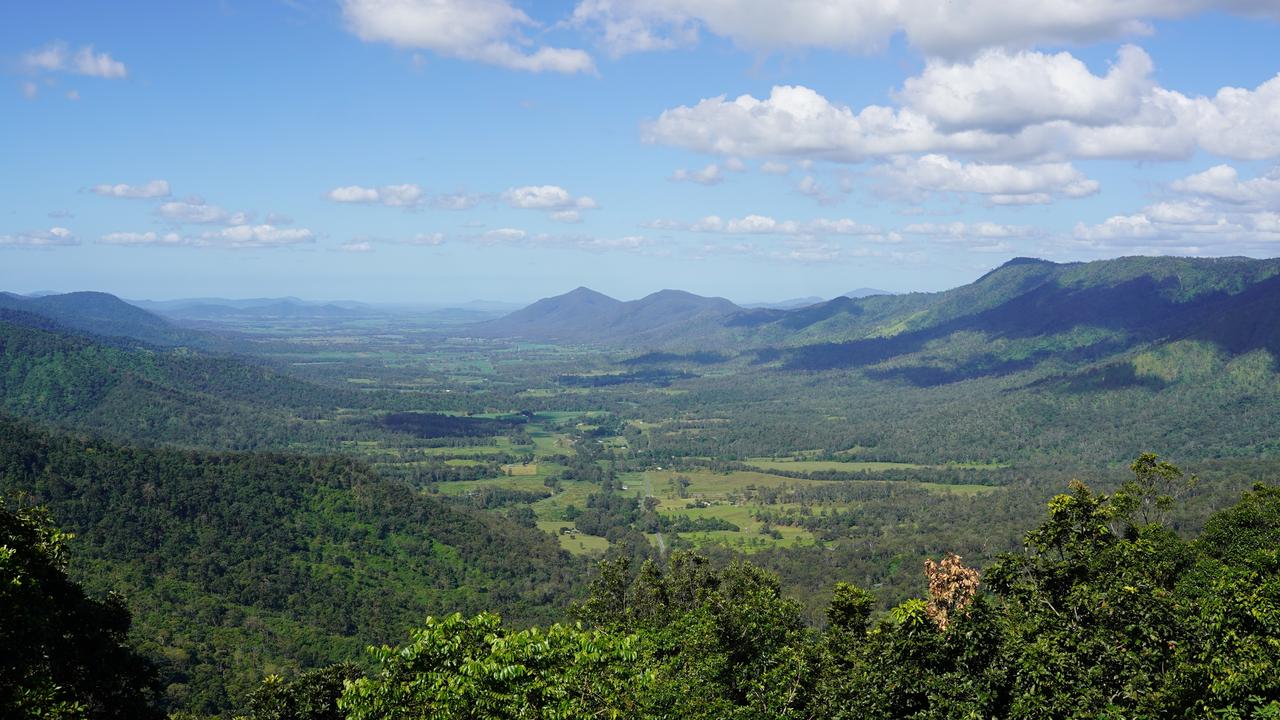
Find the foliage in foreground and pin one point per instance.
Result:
(62, 653)
(1106, 614)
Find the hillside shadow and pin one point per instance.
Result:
(1137, 308)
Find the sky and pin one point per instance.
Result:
(440, 151)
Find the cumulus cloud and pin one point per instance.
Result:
(709, 175)
(797, 121)
(356, 246)
(171, 239)
(1211, 212)
(57, 57)
(257, 236)
(755, 224)
(969, 109)
(196, 211)
(1223, 183)
(153, 189)
(407, 195)
(236, 237)
(1002, 184)
(962, 230)
(1193, 227)
(546, 197)
(567, 216)
(431, 239)
(487, 31)
(53, 237)
(937, 27)
(503, 235)
(1003, 90)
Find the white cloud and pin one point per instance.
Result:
(356, 246)
(57, 57)
(1223, 183)
(709, 175)
(431, 239)
(353, 194)
(567, 216)
(797, 121)
(53, 237)
(1003, 184)
(1003, 90)
(961, 230)
(503, 235)
(487, 31)
(545, 197)
(1212, 212)
(153, 189)
(407, 195)
(937, 27)
(171, 239)
(772, 167)
(766, 225)
(197, 212)
(627, 243)
(237, 237)
(257, 236)
(957, 110)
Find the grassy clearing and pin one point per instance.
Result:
(578, 543)
(824, 465)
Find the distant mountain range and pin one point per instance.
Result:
(1017, 316)
(586, 316)
(221, 310)
(101, 314)
(1022, 314)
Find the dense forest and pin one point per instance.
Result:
(235, 564)
(1106, 613)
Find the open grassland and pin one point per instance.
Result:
(824, 465)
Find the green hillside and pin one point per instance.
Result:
(238, 564)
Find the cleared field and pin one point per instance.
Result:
(825, 465)
(578, 543)
(519, 469)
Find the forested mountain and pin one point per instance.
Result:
(1013, 318)
(103, 314)
(238, 564)
(137, 392)
(587, 316)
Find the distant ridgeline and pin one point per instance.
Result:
(130, 390)
(1026, 312)
(1106, 614)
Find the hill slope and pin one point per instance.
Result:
(130, 391)
(1023, 314)
(238, 564)
(103, 314)
(585, 315)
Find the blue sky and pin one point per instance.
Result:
(445, 150)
